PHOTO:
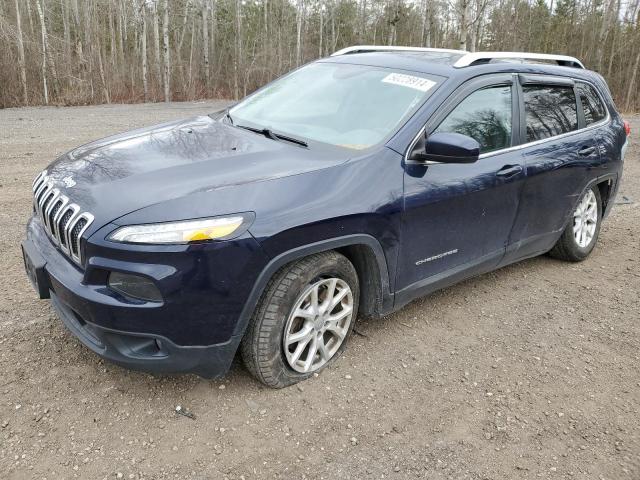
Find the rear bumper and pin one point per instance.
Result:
(192, 331)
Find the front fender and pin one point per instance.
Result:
(303, 251)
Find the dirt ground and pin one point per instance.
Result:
(529, 372)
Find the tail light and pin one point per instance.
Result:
(627, 128)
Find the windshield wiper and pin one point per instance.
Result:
(227, 115)
(267, 132)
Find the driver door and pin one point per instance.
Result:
(457, 217)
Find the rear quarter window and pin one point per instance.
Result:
(550, 110)
(594, 109)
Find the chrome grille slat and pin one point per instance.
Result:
(46, 200)
(60, 217)
(48, 206)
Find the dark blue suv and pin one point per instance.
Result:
(349, 186)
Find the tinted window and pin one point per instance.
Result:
(550, 110)
(485, 115)
(594, 110)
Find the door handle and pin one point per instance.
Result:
(509, 171)
(586, 151)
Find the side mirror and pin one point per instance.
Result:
(445, 147)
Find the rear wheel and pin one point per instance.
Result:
(303, 320)
(581, 235)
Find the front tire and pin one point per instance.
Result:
(580, 236)
(303, 320)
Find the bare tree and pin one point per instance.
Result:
(299, 17)
(205, 43)
(21, 60)
(143, 52)
(464, 9)
(166, 72)
(106, 50)
(156, 38)
(43, 29)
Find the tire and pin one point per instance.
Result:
(571, 247)
(274, 324)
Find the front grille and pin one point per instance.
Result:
(63, 221)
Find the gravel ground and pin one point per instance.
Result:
(528, 372)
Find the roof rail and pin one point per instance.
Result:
(478, 58)
(384, 48)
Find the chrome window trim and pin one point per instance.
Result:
(599, 124)
(545, 140)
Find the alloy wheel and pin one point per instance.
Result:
(585, 219)
(318, 324)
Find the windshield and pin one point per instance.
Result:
(353, 106)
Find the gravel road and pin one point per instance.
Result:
(532, 371)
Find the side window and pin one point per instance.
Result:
(594, 110)
(485, 115)
(549, 110)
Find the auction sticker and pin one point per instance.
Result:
(417, 83)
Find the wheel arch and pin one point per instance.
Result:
(362, 250)
(606, 182)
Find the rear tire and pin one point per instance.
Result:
(314, 300)
(581, 235)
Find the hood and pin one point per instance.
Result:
(126, 172)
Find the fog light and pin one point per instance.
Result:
(134, 286)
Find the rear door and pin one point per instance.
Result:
(558, 153)
(457, 217)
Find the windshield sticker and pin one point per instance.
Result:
(417, 83)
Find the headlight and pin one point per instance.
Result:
(219, 228)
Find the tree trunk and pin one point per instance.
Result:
(238, 55)
(464, 23)
(156, 42)
(143, 54)
(183, 31)
(43, 29)
(103, 80)
(165, 48)
(193, 35)
(362, 35)
(205, 45)
(629, 103)
(29, 16)
(321, 29)
(299, 15)
(21, 61)
(67, 33)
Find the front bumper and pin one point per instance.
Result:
(194, 329)
(145, 352)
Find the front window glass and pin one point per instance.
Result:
(550, 110)
(485, 116)
(354, 106)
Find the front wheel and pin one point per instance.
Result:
(303, 320)
(581, 235)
